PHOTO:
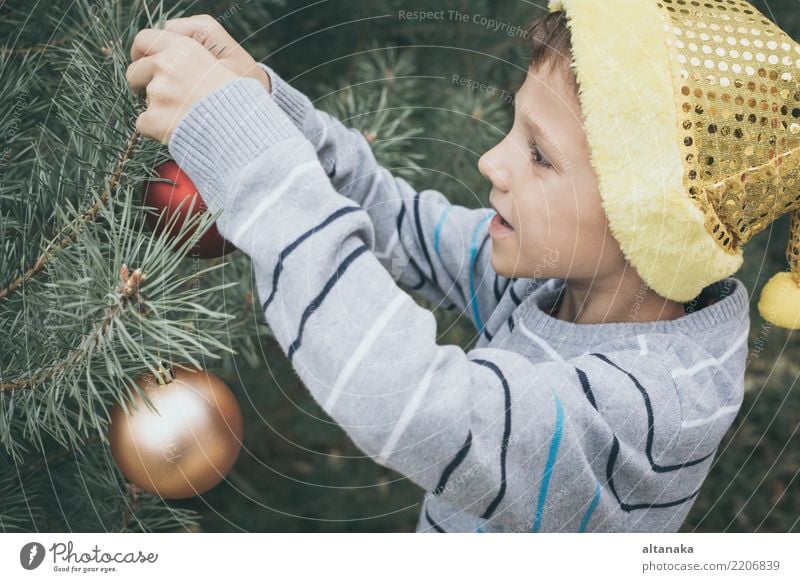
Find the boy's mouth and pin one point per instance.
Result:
(503, 221)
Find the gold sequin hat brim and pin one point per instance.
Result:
(691, 115)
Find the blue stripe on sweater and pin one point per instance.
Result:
(473, 255)
(595, 501)
(551, 458)
(437, 233)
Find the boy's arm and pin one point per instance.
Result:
(440, 250)
(488, 430)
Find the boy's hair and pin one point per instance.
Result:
(550, 43)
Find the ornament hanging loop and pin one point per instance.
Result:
(165, 373)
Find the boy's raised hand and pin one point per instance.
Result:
(174, 71)
(206, 30)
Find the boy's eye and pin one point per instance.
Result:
(536, 154)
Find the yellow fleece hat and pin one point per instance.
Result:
(692, 115)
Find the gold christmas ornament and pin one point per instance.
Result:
(189, 444)
(693, 120)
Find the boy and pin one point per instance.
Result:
(593, 401)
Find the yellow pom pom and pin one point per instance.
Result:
(780, 301)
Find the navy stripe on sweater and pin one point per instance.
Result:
(293, 245)
(317, 301)
(453, 465)
(587, 387)
(424, 244)
(506, 434)
(498, 293)
(412, 262)
(612, 457)
(650, 425)
(514, 297)
(433, 523)
(421, 237)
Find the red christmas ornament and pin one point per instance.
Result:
(167, 196)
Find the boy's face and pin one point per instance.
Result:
(559, 226)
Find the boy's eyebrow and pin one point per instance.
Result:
(533, 124)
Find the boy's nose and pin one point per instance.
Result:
(493, 170)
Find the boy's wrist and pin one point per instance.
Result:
(261, 75)
(224, 132)
(293, 102)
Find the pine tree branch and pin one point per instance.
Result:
(41, 48)
(127, 287)
(133, 494)
(89, 215)
(59, 455)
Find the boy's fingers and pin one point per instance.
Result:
(144, 124)
(198, 27)
(149, 41)
(140, 73)
(203, 28)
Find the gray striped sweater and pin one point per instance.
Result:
(546, 425)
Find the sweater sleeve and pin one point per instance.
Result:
(440, 250)
(489, 431)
